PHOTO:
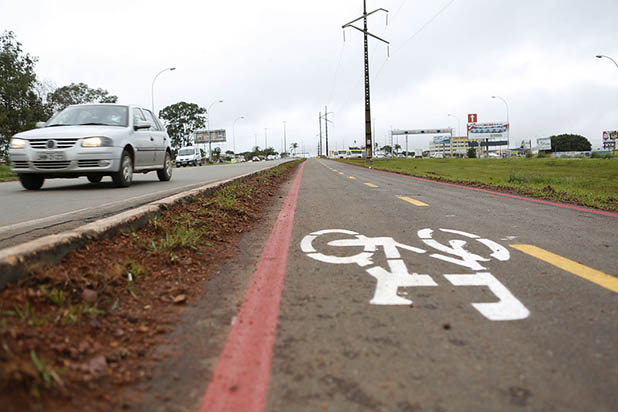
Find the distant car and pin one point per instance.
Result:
(255, 159)
(92, 140)
(189, 156)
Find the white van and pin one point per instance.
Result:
(189, 156)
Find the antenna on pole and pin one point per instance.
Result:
(366, 35)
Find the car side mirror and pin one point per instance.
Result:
(40, 125)
(142, 124)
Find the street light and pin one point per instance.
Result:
(285, 150)
(508, 123)
(234, 133)
(153, 82)
(600, 56)
(458, 124)
(208, 128)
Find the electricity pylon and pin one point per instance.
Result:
(368, 137)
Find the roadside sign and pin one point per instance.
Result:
(488, 130)
(472, 118)
(210, 136)
(610, 135)
(543, 143)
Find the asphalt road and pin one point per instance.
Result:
(64, 204)
(417, 320)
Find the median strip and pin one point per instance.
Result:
(241, 377)
(577, 269)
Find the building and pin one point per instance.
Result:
(445, 146)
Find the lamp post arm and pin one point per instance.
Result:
(152, 87)
(607, 57)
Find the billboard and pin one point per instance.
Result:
(441, 140)
(210, 136)
(543, 143)
(613, 135)
(488, 130)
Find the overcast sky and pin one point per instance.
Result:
(284, 60)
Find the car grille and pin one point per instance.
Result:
(53, 165)
(20, 164)
(88, 163)
(41, 144)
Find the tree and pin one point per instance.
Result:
(397, 148)
(387, 149)
(77, 93)
(216, 154)
(570, 143)
(472, 153)
(182, 120)
(20, 106)
(293, 148)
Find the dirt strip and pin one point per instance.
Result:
(73, 335)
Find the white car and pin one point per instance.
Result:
(92, 140)
(189, 156)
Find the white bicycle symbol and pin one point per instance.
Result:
(389, 281)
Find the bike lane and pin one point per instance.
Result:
(393, 326)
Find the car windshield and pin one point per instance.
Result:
(185, 152)
(91, 115)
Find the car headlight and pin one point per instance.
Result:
(97, 141)
(17, 143)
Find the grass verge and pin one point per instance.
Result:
(587, 182)
(73, 335)
(6, 175)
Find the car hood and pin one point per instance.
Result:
(72, 131)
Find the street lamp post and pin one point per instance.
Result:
(234, 134)
(508, 130)
(284, 138)
(600, 56)
(208, 129)
(265, 138)
(152, 87)
(458, 124)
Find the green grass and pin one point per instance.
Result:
(589, 182)
(6, 174)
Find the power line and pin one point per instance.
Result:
(360, 79)
(366, 35)
(416, 33)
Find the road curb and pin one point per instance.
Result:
(14, 261)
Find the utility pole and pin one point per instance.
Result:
(368, 137)
(325, 117)
(285, 150)
(320, 144)
(326, 126)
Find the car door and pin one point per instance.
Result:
(143, 141)
(159, 137)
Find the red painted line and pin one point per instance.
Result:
(240, 380)
(529, 199)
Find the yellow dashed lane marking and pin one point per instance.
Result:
(591, 275)
(371, 185)
(341, 173)
(413, 201)
(351, 177)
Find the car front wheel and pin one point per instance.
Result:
(124, 176)
(31, 182)
(165, 174)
